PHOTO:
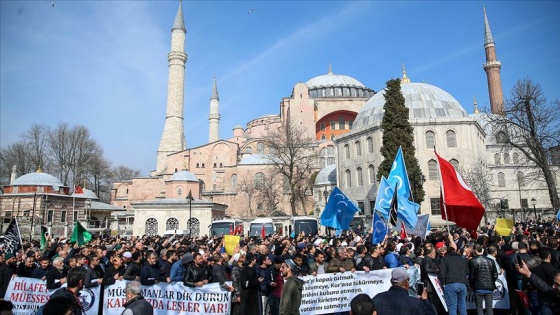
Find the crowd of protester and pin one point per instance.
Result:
(268, 270)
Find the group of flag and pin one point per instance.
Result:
(394, 207)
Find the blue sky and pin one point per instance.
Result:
(103, 64)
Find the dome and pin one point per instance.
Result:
(331, 79)
(184, 176)
(424, 101)
(88, 194)
(37, 179)
(327, 176)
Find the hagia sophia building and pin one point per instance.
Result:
(191, 187)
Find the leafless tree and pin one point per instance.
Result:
(37, 146)
(15, 154)
(271, 192)
(479, 179)
(294, 155)
(248, 187)
(531, 125)
(122, 172)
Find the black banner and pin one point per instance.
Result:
(12, 238)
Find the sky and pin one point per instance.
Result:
(103, 64)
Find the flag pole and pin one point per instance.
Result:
(442, 193)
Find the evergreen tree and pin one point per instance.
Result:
(397, 131)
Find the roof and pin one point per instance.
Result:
(327, 176)
(425, 101)
(331, 79)
(37, 179)
(183, 176)
(255, 159)
(101, 206)
(88, 194)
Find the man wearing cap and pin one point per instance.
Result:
(7, 269)
(397, 301)
(291, 293)
(133, 267)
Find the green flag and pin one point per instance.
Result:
(43, 237)
(80, 235)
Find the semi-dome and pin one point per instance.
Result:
(327, 176)
(184, 175)
(88, 194)
(37, 179)
(332, 85)
(424, 101)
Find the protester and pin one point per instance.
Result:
(362, 304)
(135, 303)
(251, 302)
(149, 275)
(75, 283)
(290, 300)
(59, 305)
(453, 276)
(397, 301)
(482, 278)
(56, 276)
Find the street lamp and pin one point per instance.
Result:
(534, 203)
(326, 195)
(189, 224)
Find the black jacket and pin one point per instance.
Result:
(482, 273)
(69, 295)
(194, 274)
(453, 269)
(52, 275)
(139, 306)
(149, 274)
(132, 271)
(428, 266)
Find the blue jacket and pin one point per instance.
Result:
(177, 272)
(392, 260)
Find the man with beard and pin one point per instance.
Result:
(219, 273)
(149, 274)
(341, 263)
(135, 304)
(57, 272)
(264, 270)
(93, 276)
(133, 268)
(319, 265)
(44, 267)
(165, 268)
(75, 278)
(7, 269)
(196, 274)
(429, 266)
(26, 268)
(114, 272)
(250, 288)
(291, 293)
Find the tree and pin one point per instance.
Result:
(271, 192)
(397, 131)
(122, 172)
(531, 125)
(247, 186)
(293, 155)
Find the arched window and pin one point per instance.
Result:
(455, 164)
(259, 180)
(346, 151)
(179, 191)
(341, 123)
(451, 139)
(370, 145)
(202, 185)
(430, 139)
(194, 226)
(348, 178)
(248, 150)
(151, 227)
(371, 174)
(432, 170)
(501, 137)
(234, 182)
(323, 162)
(506, 158)
(323, 137)
(330, 149)
(360, 177)
(521, 179)
(285, 183)
(260, 147)
(501, 179)
(322, 126)
(332, 137)
(358, 148)
(497, 159)
(197, 165)
(333, 125)
(172, 224)
(515, 158)
(350, 123)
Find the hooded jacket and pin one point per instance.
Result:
(291, 296)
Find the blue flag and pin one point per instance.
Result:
(379, 229)
(339, 211)
(421, 227)
(383, 199)
(408, 212)
(399, 176)
(558, 215)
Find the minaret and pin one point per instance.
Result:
(404, 79)
(173, 137)
(492, 67)
(214, 116)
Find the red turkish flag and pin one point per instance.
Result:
(263, 233)
(79, 190)
(403, 231)
(461, 205)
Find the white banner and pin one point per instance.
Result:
(331, 293)
(28, 294)
(172, 299)
(500, 296)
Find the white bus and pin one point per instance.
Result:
(309, 225)
(223, 227)
(255, 227)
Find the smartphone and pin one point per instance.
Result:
(419, 287)
(519, 261)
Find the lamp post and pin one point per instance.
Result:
(326, 195)
(189, 224)
(534, 203)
